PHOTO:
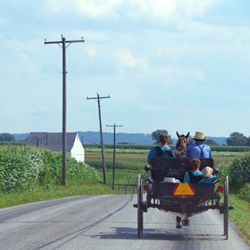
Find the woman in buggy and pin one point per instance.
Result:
(163, 151)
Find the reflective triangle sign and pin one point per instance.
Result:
(183, 189)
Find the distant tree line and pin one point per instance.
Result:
(234, 139)
(6, 137)
(238, 139)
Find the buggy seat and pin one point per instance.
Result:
(174, 167)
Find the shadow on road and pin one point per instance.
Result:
(155, 234)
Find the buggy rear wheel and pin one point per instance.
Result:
(226, 191)
(139, 208)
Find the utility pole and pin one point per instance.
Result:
(98, 98)
(114, 126)
(64, 44)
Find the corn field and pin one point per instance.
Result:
(24, 168)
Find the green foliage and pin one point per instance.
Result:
(6, 137)
(231, 148)
(245, 192)
(239, 172)
(211, 142)
(133, 148)
(237, 139)
(24, 168)
(223, 172)
(240, 215)
(81, 171)
(118, 150)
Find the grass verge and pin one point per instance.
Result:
(53, 192)
(240, 215)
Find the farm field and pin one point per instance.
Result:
(130, 164)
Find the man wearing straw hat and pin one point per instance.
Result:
(199, 149)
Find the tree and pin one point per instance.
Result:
(211, 142)
(156, 136)
(6, 137)
(237, 139)
(248, 141)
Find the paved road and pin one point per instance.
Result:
(107, 222)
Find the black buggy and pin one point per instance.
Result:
(185, 199)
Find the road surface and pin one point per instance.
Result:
(107, 222)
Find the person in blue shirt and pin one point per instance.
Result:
(195, 174)
(199, 149)
(207, 176)
(163, 150)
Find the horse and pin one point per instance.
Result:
(181, 145)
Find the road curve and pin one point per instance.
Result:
(107, 222)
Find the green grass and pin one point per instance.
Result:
(56, 191)
(240, 215)
(129, 165)
(127, 168)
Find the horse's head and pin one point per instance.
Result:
(182, 140)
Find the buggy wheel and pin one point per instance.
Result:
(226, 191)
(139, 208)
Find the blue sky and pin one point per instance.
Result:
(174, 64)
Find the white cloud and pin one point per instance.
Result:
(16, 45)
(91, 8)
(3, 21)
(99, 8)
(200, 42)
(94, 41)
(91, 51)
(152, 9)
(127, 59)
(246, 98)
(189, 78)
(135, 9)
(169, 9)
(91, 35)
(152, 107)
(25, 57)
(195, 7)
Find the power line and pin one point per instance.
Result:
(57, 17)
(18, 27)
(17, 45)
(29, 12)
(64, 44)
(98, 98)
(69, 28)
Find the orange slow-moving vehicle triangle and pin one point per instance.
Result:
(183, 189)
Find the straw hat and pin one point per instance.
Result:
(199, 136)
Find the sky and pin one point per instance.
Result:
(179, 65)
